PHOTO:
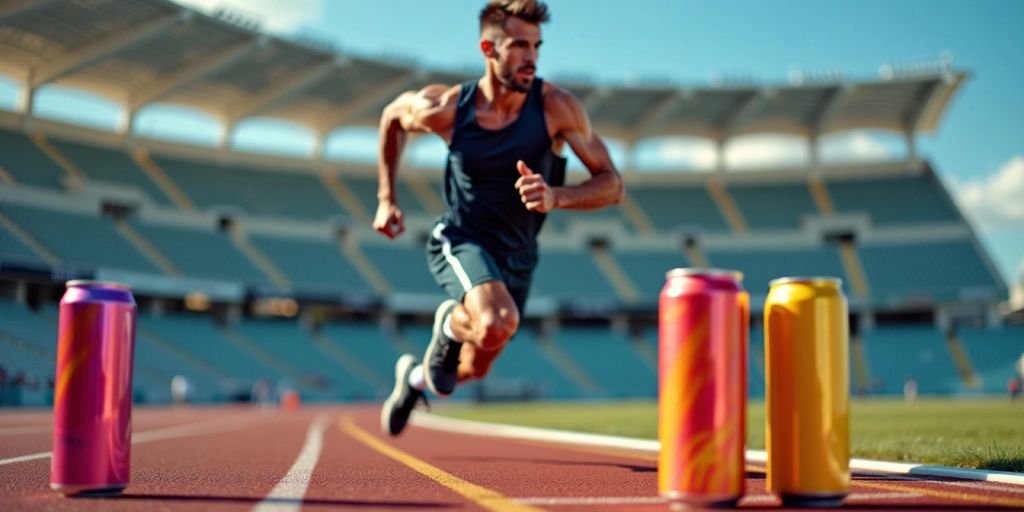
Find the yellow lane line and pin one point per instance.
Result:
(482, 496)
(975, 499)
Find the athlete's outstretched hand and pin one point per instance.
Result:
(389, 219)
(536, 194)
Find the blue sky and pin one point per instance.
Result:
(978, 151)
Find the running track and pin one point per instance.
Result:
(325, 458)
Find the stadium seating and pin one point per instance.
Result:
(365, 190)
(404, 266)
(198, 336)
(370, 348)
(27, 163)
(670, 207)
(13, 249)
(561, 220)
(201, 253)
(608, 359)
(646, 268)
(929, 270)
(770, 207)
(760, 266)
(107, 165)
(282, 193)
(898, 352)
(312, 265)
(79, 239)
(27, 341)
(569, 274)
(885, 199)
(317, 376)
(994, 354)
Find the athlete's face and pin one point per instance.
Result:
(514, 54)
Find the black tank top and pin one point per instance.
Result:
(480, 175)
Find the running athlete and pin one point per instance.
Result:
(505, 133)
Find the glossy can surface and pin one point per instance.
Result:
(702, 386)
(93, 392)
(808, 391)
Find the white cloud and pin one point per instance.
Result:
(995, 201)
(274, 15)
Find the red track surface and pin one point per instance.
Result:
(231, 458)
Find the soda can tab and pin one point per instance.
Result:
(808, 391)
(92, 408)
(702, 387)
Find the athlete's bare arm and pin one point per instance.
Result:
(429, 110)
(569, 122)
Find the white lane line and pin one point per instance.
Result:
(187, 430)
(287, 495)
(25, 458)
(762, 499)
(479, 428)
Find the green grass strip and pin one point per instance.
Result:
(978, 434)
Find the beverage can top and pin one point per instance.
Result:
(88, 283)
(735, 275)
(811, 280)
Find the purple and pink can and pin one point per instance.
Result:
(92, 405)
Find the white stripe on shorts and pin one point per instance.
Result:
(446, 249)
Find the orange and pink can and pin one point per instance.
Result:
(704, 318)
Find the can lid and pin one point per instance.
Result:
(735, 275)
(813, 280)
(100, 284)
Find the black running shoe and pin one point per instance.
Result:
(441, 361)
(395, 414)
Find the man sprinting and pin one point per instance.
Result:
(505, 133)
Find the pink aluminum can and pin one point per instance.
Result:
(702, 387)
(92, 406)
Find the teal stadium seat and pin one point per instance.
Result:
(994, 354)
(320, 378)
(369, 346)
(200, 337)
(27, 341)
(28, 164)
(12, 249)
(885, 199)
(608, 359)
(569, 274)
(404, 267)
(646, 268)
(760, 266)
(312, 265)
(768, 207)
(277, 193)
(109, 165)
(897, 352)
(670, 207)
(365, 190)
(201, 253)
(79, 239)
(930, 270)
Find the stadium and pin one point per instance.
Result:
(256, 272)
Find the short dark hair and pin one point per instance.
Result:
(498, 11)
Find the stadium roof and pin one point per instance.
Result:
(141, 52)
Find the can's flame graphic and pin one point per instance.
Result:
(69, 362)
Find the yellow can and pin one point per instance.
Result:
(808, 391)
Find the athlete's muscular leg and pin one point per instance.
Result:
(484, 322)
